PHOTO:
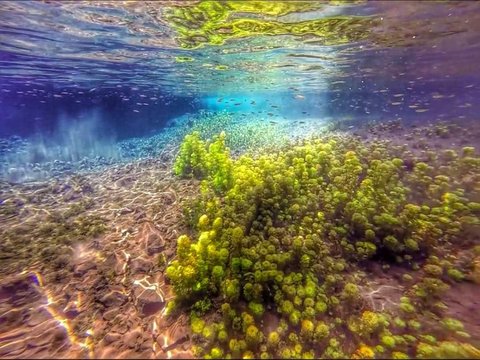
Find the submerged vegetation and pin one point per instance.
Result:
(278, 261)
(214, 22)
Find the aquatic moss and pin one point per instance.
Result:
(364, 352)
(191, 160)
(452, 324)
(292, 221)
(199, 159)
(455, 274)
(388, 341)
(447, 350)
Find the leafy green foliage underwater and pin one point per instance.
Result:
(287, 233)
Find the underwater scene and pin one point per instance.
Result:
(227, 179)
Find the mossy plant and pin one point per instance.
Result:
(286, 232)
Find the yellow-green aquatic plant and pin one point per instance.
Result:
(205, 160)
(192, 158)
(286, 232)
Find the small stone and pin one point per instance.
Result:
(112, 337)
(113, 298)
(121, 328)
(148, 301)
(146, 344)
(110, 261)
(125, 211)
(140, 265)
(59, 334)
(131, 338)
(110, 314)
(140, 215)
(154, 244)
(83, 268)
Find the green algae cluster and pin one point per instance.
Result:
(289, 233)
(214, 22)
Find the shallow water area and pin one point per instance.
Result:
(239, 179)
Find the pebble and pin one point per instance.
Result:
(148, 301)
(140, 265)
(154, 244)
(112, 337)
(84, 267)
(130, 339)
(113, 298)
(110, 314)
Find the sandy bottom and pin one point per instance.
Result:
(83, 260)
(104, 296)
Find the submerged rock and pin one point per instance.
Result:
(84, 267)
(148, 301)
(154, 244)
(113, 298)
(140, 265)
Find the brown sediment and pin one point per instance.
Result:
(381, 290)
(432, 136)
(102, 294)
(463, 301)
